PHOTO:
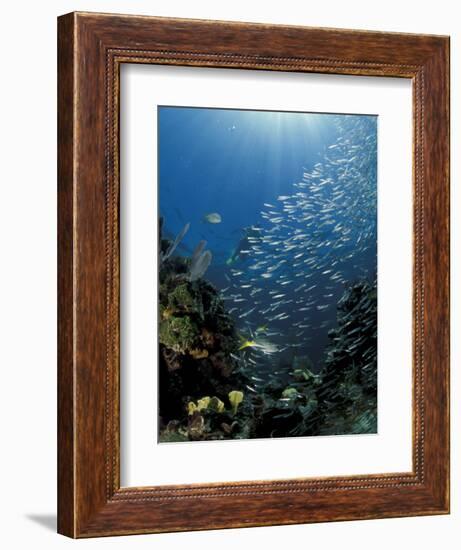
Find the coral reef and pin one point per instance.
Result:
(349, 380)
(203, 391)
(196, 356)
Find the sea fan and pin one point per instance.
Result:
(199, 264)
(198, 251)
(174, 245)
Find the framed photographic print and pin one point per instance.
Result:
(253, 275)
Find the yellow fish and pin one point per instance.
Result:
(247, 344)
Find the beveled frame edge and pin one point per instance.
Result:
(91, 49)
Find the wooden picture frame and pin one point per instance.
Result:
(92, 48)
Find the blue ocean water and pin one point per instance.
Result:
(287, 204)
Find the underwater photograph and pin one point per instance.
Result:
(267, 274)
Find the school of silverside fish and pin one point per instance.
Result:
(234, 362)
